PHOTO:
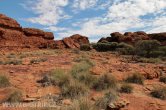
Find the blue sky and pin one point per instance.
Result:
(92, 18)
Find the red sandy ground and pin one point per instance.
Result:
(24, 77)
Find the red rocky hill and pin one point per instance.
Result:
(14, 37)
(133, 37)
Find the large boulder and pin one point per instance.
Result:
(69, 42)
(80, 39)
(74, 41)
(48, 36)
(59, 44)
(116, 37)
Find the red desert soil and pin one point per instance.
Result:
(24, 77)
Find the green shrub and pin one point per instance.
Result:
(163, 49)
(16, 96)
(111, 46)
(85, 47)
(163, 79)
(135, 78)
(105, 82)
(76, 51)
(84, 59)
(126, 88)
(12, 55)
(59, 77)
(14, 62)
(156, 54)
(109, 97)
(82, 104)
(4, 81)
(79, 68)
(145, 47)
(149, 60)
(74, 89)
(159, 93)
(86, 78)
(1, 63)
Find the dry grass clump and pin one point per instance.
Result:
(16, 96)
(163, 79)
(82, 104)
(159, 92)
(126, 88)
(105, 82)
(74, 89)
(4, 81)
(135, 78)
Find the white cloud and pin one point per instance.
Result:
(126, 16)
(135, 8)
(120, 15)
(84, 4)
(48, 12)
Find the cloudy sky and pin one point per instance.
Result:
(92, 18)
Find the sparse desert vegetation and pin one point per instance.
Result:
(135, 78)
(4, 81)
(159, 92)
(126, 88)
(117, 72)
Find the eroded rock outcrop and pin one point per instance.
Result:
(13, 37)
(74, 41)
(133, 37)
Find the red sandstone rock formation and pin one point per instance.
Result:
(74, 41)
(13, 37)
(132, 38)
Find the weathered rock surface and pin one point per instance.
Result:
(74, 41)
(6, 22)
(14, 37)
(133, 37)
(118, 105)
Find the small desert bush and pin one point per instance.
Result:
(105, 82)
(156, 54)
(76, 51)
(74, 89)
(126, 49)
(35, 61)
(82, 104)
(126, 88)
(4, 81)
(84, 59)
(163, 79)
(79, 68)
(159, 93)
(13, 61)
(146, 47)
(12, 55)
(85, 47)
(105, 46)
(149, 60)
(1, 63)
(108, 98)
(16, 96)
(86, 78)
(163, 49)
(135, 78)
(59, 77)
